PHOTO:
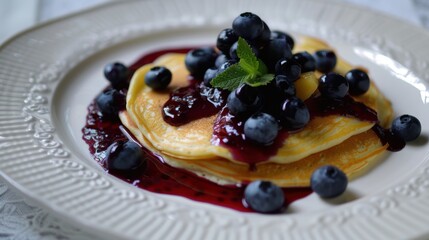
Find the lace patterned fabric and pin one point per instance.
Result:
(20, 220)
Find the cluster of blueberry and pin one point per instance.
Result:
(112, 100)
(275, 105)
(121, 155)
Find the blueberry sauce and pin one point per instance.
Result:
(193, 102)
(320, 106)
(99, 133)
(96, 130)
(228, 131)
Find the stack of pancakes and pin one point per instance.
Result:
(346, 142)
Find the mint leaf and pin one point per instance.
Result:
(249, 70)
(262, 68)
(231, 78)
(259, 81)
(248, 60)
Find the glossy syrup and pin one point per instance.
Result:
(228, 132)
(193, 102)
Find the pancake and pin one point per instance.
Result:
(190, 141)
(346, 142)
(353, 156)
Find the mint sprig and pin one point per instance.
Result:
(249, 70)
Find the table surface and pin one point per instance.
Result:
(19, 219)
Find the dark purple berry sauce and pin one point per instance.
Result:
(193, 102)
(99, 133)
(228, 131)
(320, 106)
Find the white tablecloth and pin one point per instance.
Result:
(18, 218)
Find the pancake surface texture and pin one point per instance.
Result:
(346, 142)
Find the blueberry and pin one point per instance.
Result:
(407, 127)
(248, 25)
(110, 102)
(288, 67)
(306, 61)
(198, 60)
(247, 94)
(275, 50)
(243, 101)
(264, 197)
(264, 38)
(358, 82)
(233, 51)
(328, 181)
(158, 78)
(271, 97)
(294, 113)
(325, 60)
(261, 128)
(226, 65)
(209, 75)
(333, 85)
(221, 59)
(285, 85)
(124, 156)
(117, 74)
(225, 39)
(283, 35)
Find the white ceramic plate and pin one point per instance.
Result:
(49, 74)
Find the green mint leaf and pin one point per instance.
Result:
(248, 60)
(249, 70)
(259, 81)
(262, 68)
(231, 78)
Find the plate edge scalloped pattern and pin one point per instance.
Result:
(34, 159)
